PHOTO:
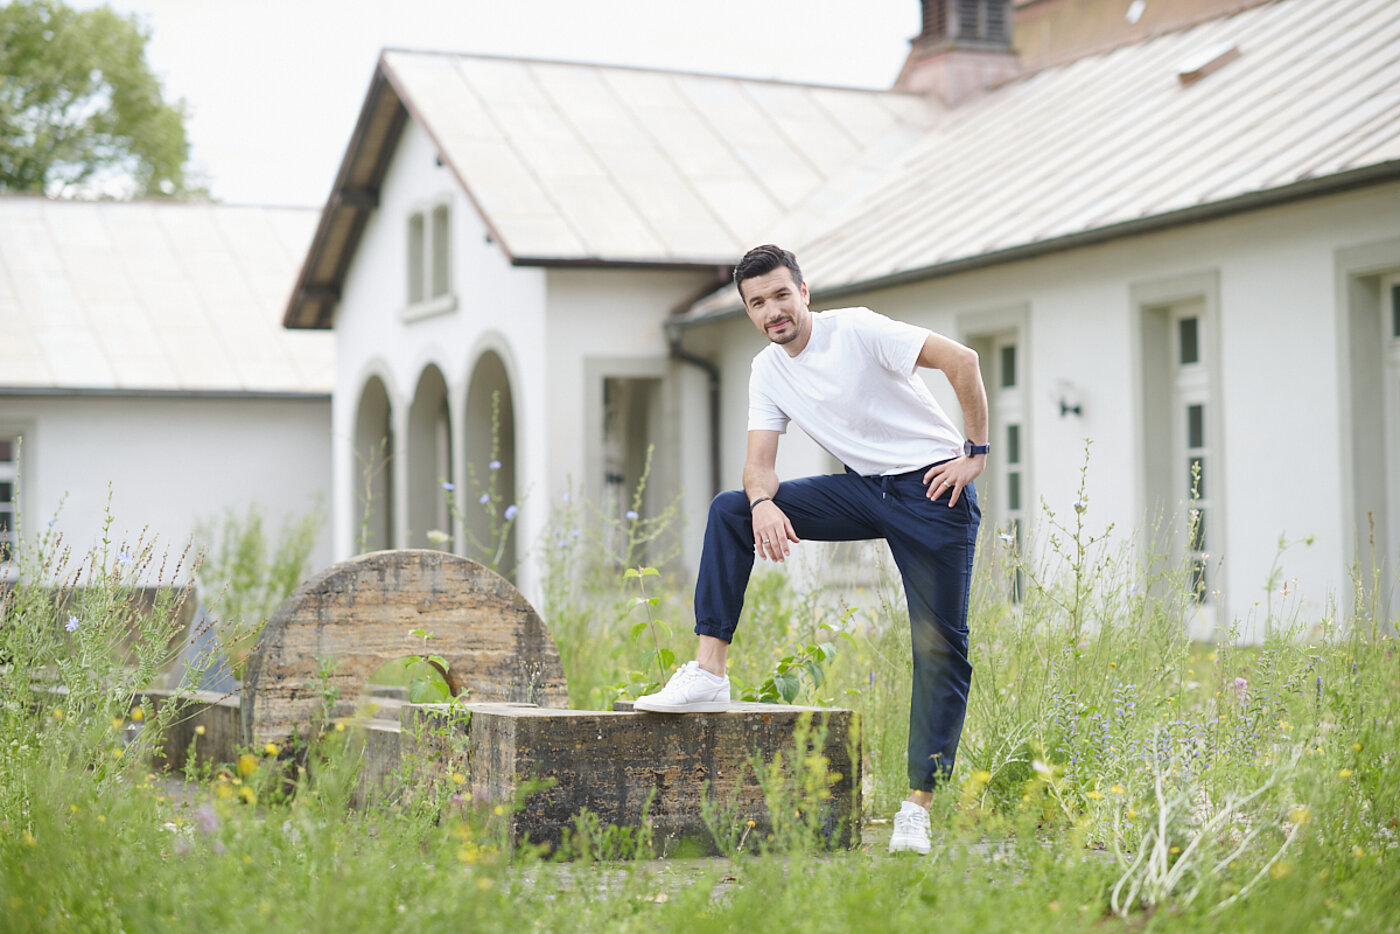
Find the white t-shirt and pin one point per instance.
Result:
(855, 390)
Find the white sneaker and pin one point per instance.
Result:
(690, 690)
(910, 829)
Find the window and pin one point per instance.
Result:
(1191, 385)
(429, 244)
(9, 495)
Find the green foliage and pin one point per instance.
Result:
(245, 575)
(80, 109)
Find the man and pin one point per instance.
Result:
(849, 378)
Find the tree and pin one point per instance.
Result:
(80, 110)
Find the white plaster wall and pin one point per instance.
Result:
(169, 463)
(618, 316)
(498, 307)
(1278, 392)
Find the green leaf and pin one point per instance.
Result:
(418, 633)
(439, 661)
(630, 573)
(664, 627)
(668, 658)
(650, 572)
(788, 687)
(655, 601)
(638, 629)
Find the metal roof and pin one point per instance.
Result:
(154, 296)
(1288, 100)
(572, 163)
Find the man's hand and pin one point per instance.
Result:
(952, 476)
(772, 531)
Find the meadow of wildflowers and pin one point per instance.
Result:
(1113, 775)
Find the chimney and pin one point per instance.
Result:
(963, 48)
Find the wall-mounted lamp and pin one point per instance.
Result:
(1067, 398)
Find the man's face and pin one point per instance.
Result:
(776, 305)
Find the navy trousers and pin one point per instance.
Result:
(932, 545)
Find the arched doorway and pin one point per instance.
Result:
(488, 451)
(429, 463)
(373, 502)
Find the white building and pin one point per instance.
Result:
(1185, 248)
(142, 358)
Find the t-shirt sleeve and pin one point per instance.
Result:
(896, 344)
(764, 413)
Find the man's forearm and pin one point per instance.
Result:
(759, 482)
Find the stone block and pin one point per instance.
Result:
(628, 767)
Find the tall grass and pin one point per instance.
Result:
(1113, 774)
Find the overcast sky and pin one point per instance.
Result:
(273, 87)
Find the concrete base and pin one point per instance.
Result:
(628, 768)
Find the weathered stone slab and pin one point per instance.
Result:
(626, 767)
(359, 614)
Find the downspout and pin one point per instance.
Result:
(679, 353)
(673, 338)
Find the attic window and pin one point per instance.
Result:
(429, 242)
(961, 20)
(1210, 59)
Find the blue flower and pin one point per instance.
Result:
(576, 533)
(494, 465)
(632, 514)
(72, 623)
(511, 512)
(448, 485)
(125, 558)
(484, 498)
(568, 496)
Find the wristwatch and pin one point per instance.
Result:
(969, 449)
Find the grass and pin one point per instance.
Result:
(1112, 775)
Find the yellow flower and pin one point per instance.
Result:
(1117, 790)
(58, 713)
(138, 715)
(1095, 794)
(102, 818)
(248, 795)
(498, 810)
(28, 837)
(340, 728)
(224, 792)
(247, 857)
(73, 808)
(1344, 773)
(982, 776)
(1357, 852)
(485, 883)
(1280, 869)
(459, 778)
(1300, 814)
(1111, 665)
(1174, 850)
(247, 765)
(118, 723)
(1285, 726)
(1356, 746)
(270, 749)
(1132, 813)
(117, 753)
(199, 730)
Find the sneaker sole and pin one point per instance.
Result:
(912, 846)
(697, 707)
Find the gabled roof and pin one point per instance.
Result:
(153, 296)
(586, 164)
(1293, 99)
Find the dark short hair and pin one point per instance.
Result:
(762, 260)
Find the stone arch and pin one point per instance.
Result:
(372, 505)
(363, 612)
(429, 460)
(489, 401)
